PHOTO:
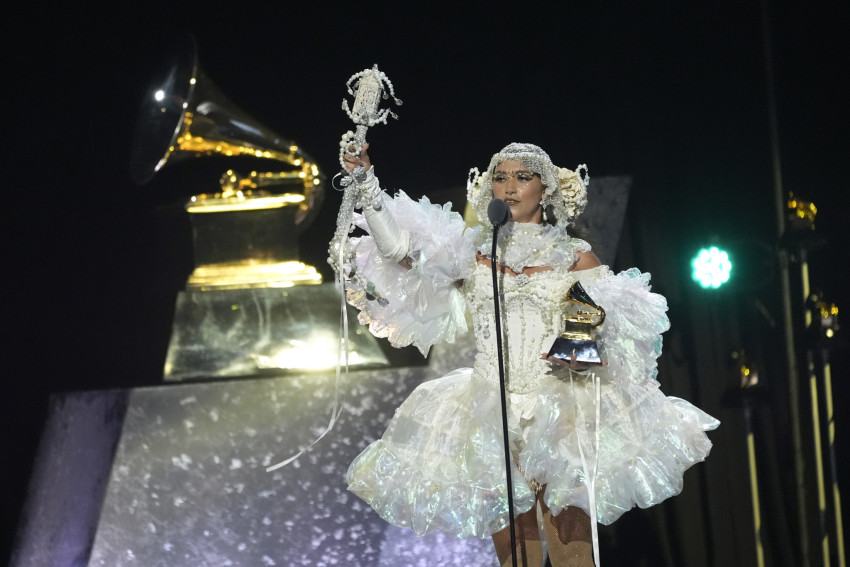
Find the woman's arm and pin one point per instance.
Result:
(392, 241)
(409, 302)
(586, 261)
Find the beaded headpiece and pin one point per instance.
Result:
(565, 193)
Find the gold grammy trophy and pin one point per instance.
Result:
(583, 316)
(245, 310)
(245, 234)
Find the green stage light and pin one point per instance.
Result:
(711, 267)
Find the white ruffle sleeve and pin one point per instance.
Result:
(422, 304)
(634, 320)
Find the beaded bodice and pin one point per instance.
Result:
(532, 310)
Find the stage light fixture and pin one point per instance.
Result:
(711, 267)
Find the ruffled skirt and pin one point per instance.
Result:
(440, 464)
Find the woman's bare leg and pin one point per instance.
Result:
(568, 536)
(529, 546)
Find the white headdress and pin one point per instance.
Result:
(565, 194)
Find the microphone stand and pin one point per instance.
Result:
(496, 224)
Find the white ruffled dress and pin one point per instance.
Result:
(440, 464)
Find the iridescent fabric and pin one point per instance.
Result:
(440, 463)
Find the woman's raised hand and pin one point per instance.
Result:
(352, 161)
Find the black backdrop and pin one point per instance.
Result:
(675, 96)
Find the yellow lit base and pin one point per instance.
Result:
(250, 274)
(227, 333)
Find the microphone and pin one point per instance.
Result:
(499, 212)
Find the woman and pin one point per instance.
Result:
(588, 443)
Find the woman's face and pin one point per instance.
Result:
(520, 189)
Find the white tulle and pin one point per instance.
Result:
(440, 463)
(421, 305)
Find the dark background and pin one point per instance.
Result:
(674, 95)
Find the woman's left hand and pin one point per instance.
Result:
(572, 363)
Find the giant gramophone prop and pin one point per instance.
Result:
(582, 318)
(245, 310)
(245, 232)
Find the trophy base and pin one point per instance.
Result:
(587, 352)
(238, 333)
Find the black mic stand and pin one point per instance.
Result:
(499, 214)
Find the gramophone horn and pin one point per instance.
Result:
(185, 115)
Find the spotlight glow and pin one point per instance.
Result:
(711, 268)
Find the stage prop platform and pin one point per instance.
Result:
(176, 475)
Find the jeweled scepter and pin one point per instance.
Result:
(371, 86)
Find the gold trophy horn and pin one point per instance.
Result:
(245, 234)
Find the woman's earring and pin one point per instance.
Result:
(543, 206)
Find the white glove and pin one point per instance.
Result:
(391, 240)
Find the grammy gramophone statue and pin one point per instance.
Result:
(579, 336)
(250, 306)
(246, 233)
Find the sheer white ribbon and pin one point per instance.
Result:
(590, 479)
(341, 380)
